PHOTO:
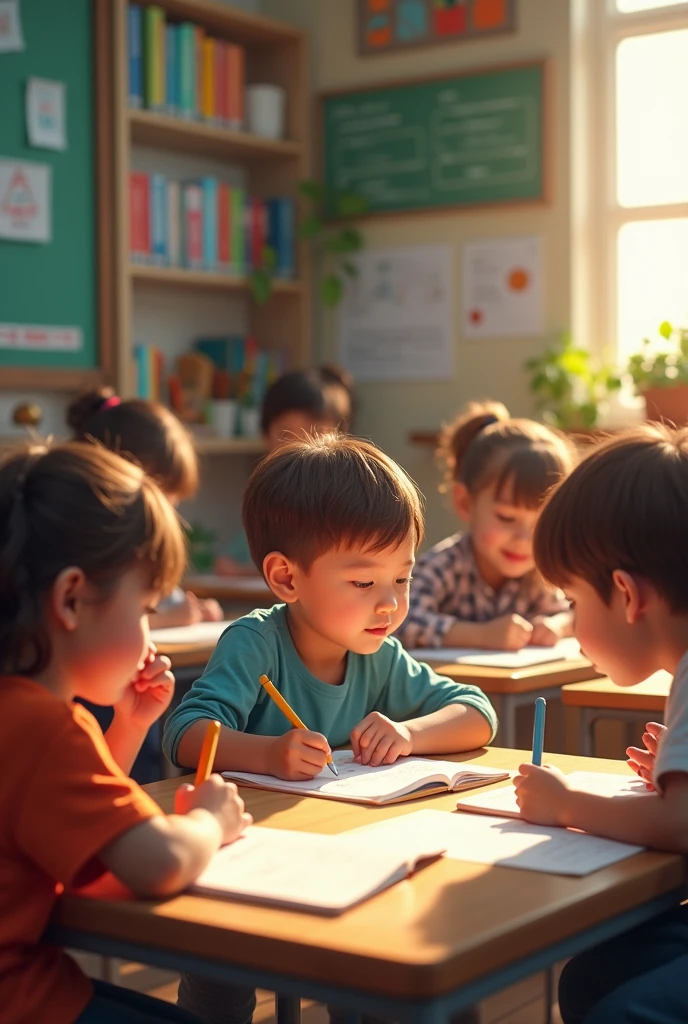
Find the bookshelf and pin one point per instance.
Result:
(167, 299)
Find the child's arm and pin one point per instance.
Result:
(163, 855)
(506, 633)
(547, 629)
(378, 740)
(298, 754)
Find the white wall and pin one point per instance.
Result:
(490, 368)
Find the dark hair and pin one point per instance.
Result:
(75, 505)
(623, 507)
(326, 393)
(323, 492)
(485, 446)
(144, 431)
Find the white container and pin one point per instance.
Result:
(265, 110)
(223, 416)
(249, 421)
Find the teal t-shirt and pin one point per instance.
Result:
(389, 681)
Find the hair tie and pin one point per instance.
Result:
(110, 403)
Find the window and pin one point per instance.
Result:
(637, 256)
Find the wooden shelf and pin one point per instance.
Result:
(149, 128)
(249, 29)
(229, 445)
(181, 277)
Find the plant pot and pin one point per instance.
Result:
(669, 404)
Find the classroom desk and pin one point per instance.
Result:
(251, 590)
(189, 646)
(440, 941)
(510, 688)
(601, 698)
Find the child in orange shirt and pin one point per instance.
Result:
(88, 545)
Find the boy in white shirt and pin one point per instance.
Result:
(614, 537)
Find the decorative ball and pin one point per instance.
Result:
(28, 414)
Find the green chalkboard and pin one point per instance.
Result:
(53, 284)
(460, 140)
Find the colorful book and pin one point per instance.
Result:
(209, 186)
(171, 69)
(192, 226)
(223, 227)
(161, 66)
(281, 235)
(221, 114)
(237, 231)
(235, 86)
(257, 232)
(139, 223)
(208, 81)
(158, 218)
(200, 39)
(135, 31)
(186, 42)
(153, 60)
(174, 240)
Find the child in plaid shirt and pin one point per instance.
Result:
(480, 588)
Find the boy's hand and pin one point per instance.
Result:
(149, 693)
(378, 740)
(297, 755)
(544, 632)
(642, 760)
(507, 633)
(221, 799)
(541, 794)
(211, 609)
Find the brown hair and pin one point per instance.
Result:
(143, 431)
(485, 446)
(325, 393)
(624, 507)
(328, 491)
(75, 505)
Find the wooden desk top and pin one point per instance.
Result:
(243, 589)
(517, 680)
(650, 695)
(453, 922)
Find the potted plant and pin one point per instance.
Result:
(571, 385)
(660, 374)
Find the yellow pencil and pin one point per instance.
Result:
(290, 713)
(205, 761)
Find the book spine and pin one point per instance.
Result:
(220, 82)
(135, 29)
(173, 224)
(209, 186)
(171, 68)
(237, 231)
(193, 225)
(282, 213)
(258, 233)
(159, 218)
(199, 35)
(223, 247)
(142, 384)
(153, 35)
(235, 85)
(187, 71)
(208, 94)
(138, 217)
(161, 64)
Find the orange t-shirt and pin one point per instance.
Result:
(62, 799)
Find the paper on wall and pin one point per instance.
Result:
(502, 287)
(25, 201)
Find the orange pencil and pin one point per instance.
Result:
(205, 761)
(289, 713)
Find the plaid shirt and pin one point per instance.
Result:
(447, 587)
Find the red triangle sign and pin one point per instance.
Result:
(18, 200)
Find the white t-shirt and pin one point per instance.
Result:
(672, 753)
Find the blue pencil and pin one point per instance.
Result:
(539, 730)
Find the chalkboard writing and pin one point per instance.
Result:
(456, 141)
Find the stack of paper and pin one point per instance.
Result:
(199, 633)
(563, 650)
(503, 801)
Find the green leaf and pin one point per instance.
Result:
(350, 204)
(261, 286)
(331, 291)
(310, 228)
(268, 258)
(345, 241)
(665, 329)
(312, 190)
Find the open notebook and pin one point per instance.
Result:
(326, 874)
(406, 778)
(563, 650)
(199, 633)
(502, 801)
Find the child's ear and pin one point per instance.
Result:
(279, 575)
(67, 591)
(461, 500)
(631, 593)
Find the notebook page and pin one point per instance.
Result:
(564, 650)
(504, 842)
(362, 782)
(503, 801)
(307, 870)
(199, 633)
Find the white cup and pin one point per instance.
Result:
(249, 421)
(265, 110)
(223, 416)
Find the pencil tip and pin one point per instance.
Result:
(333, 769)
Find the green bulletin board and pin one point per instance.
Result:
(460, 140)
(53, 284)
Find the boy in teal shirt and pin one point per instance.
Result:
(333, 524)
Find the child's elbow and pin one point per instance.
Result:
(168, 876)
